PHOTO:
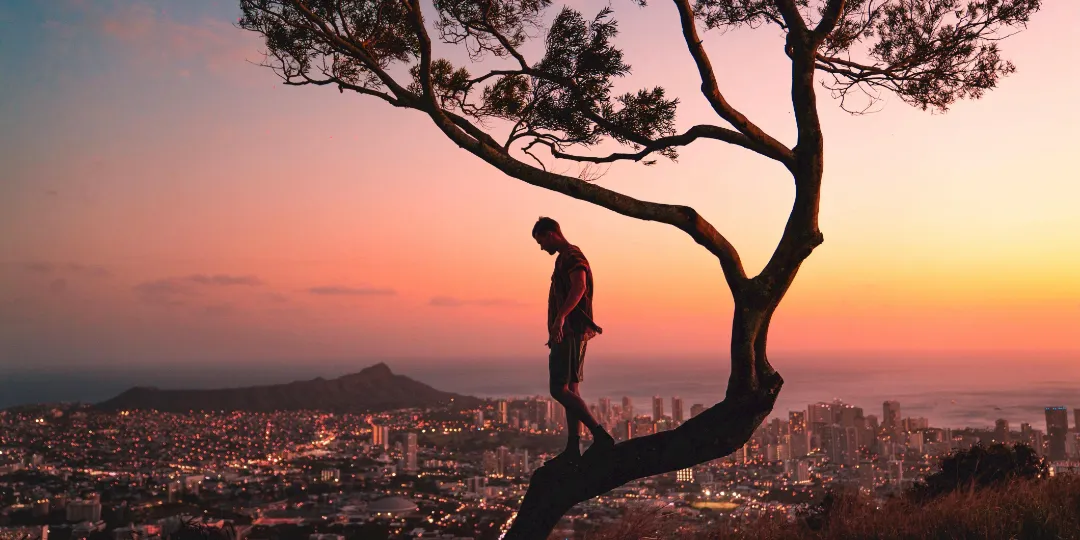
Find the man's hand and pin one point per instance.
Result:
(556, 330)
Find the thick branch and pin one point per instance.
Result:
(830, 17)
(713, 434)
(711, 88)
(790, 12)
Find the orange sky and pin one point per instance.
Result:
(163, 200)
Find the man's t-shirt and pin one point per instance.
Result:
(580, 321)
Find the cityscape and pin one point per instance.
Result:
(448, 472)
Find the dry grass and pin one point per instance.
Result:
(1022, 510)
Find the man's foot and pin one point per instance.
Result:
(602, 442)
(567, 456)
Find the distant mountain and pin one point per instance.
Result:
(375, 388)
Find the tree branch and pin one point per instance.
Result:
(830, 17)
(711, 89)
(715, 433)
(701, 131)
(478, 143)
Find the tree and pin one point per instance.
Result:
(928, 52)
(979, 467)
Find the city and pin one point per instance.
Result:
(448, 472)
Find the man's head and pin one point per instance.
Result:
(547, 233)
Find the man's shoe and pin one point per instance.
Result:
(566, 456)
(601, 445)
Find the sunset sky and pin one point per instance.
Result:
(163, 199)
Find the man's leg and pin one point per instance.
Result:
(601, 438)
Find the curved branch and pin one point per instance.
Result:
(711, 89)
(829, 18)
(701, 131)
(477, 142)
(715, 433)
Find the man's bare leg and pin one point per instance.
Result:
(569, 398)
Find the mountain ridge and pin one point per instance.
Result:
(372, 389)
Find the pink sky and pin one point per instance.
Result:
(163, 199)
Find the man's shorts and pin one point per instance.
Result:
(566, 361)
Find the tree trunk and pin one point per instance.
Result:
(717, 432)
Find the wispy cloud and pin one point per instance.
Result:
(168, 290)
(448, 301)
(218, 310)
(45, 268)
(159, 41)
(223, 279)
(338, 290)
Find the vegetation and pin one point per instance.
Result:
(996, 492)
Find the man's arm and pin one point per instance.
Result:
(577, 290)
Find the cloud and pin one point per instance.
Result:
(337, 290)
(217, 310)
(223, 279)
(45, 268)
(167, 290)
(447, 301)
(155, 39)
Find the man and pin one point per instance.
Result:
(570, 327)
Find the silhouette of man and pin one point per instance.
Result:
(570, 327)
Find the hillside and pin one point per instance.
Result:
(375, 388)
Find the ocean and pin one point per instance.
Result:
(951, 392)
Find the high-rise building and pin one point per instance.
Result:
(331, 475)
(503, 408)
(1057, 426)
(890, 418)
(605, 410)
(627, 409)
(1001, 431)
(820, 413)
(380, 436)
(657, 408)
(479, 418)
(677, 410)
(797, 429)
(696, 409)
(410, 452)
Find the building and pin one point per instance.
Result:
(797, 429)
(685, 475)
(657, 408)
(696, 409)
(677, 410)
(37, 532)
(502, 410)
(331, 475)
(380, 436)
(1001, 431)
(1057, 427)
(605, 410)
(410, 452)
(391, 507)
(890, 418)
(627, 409)
(84, 510)
(476, 484)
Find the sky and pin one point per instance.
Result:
(165, 201)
